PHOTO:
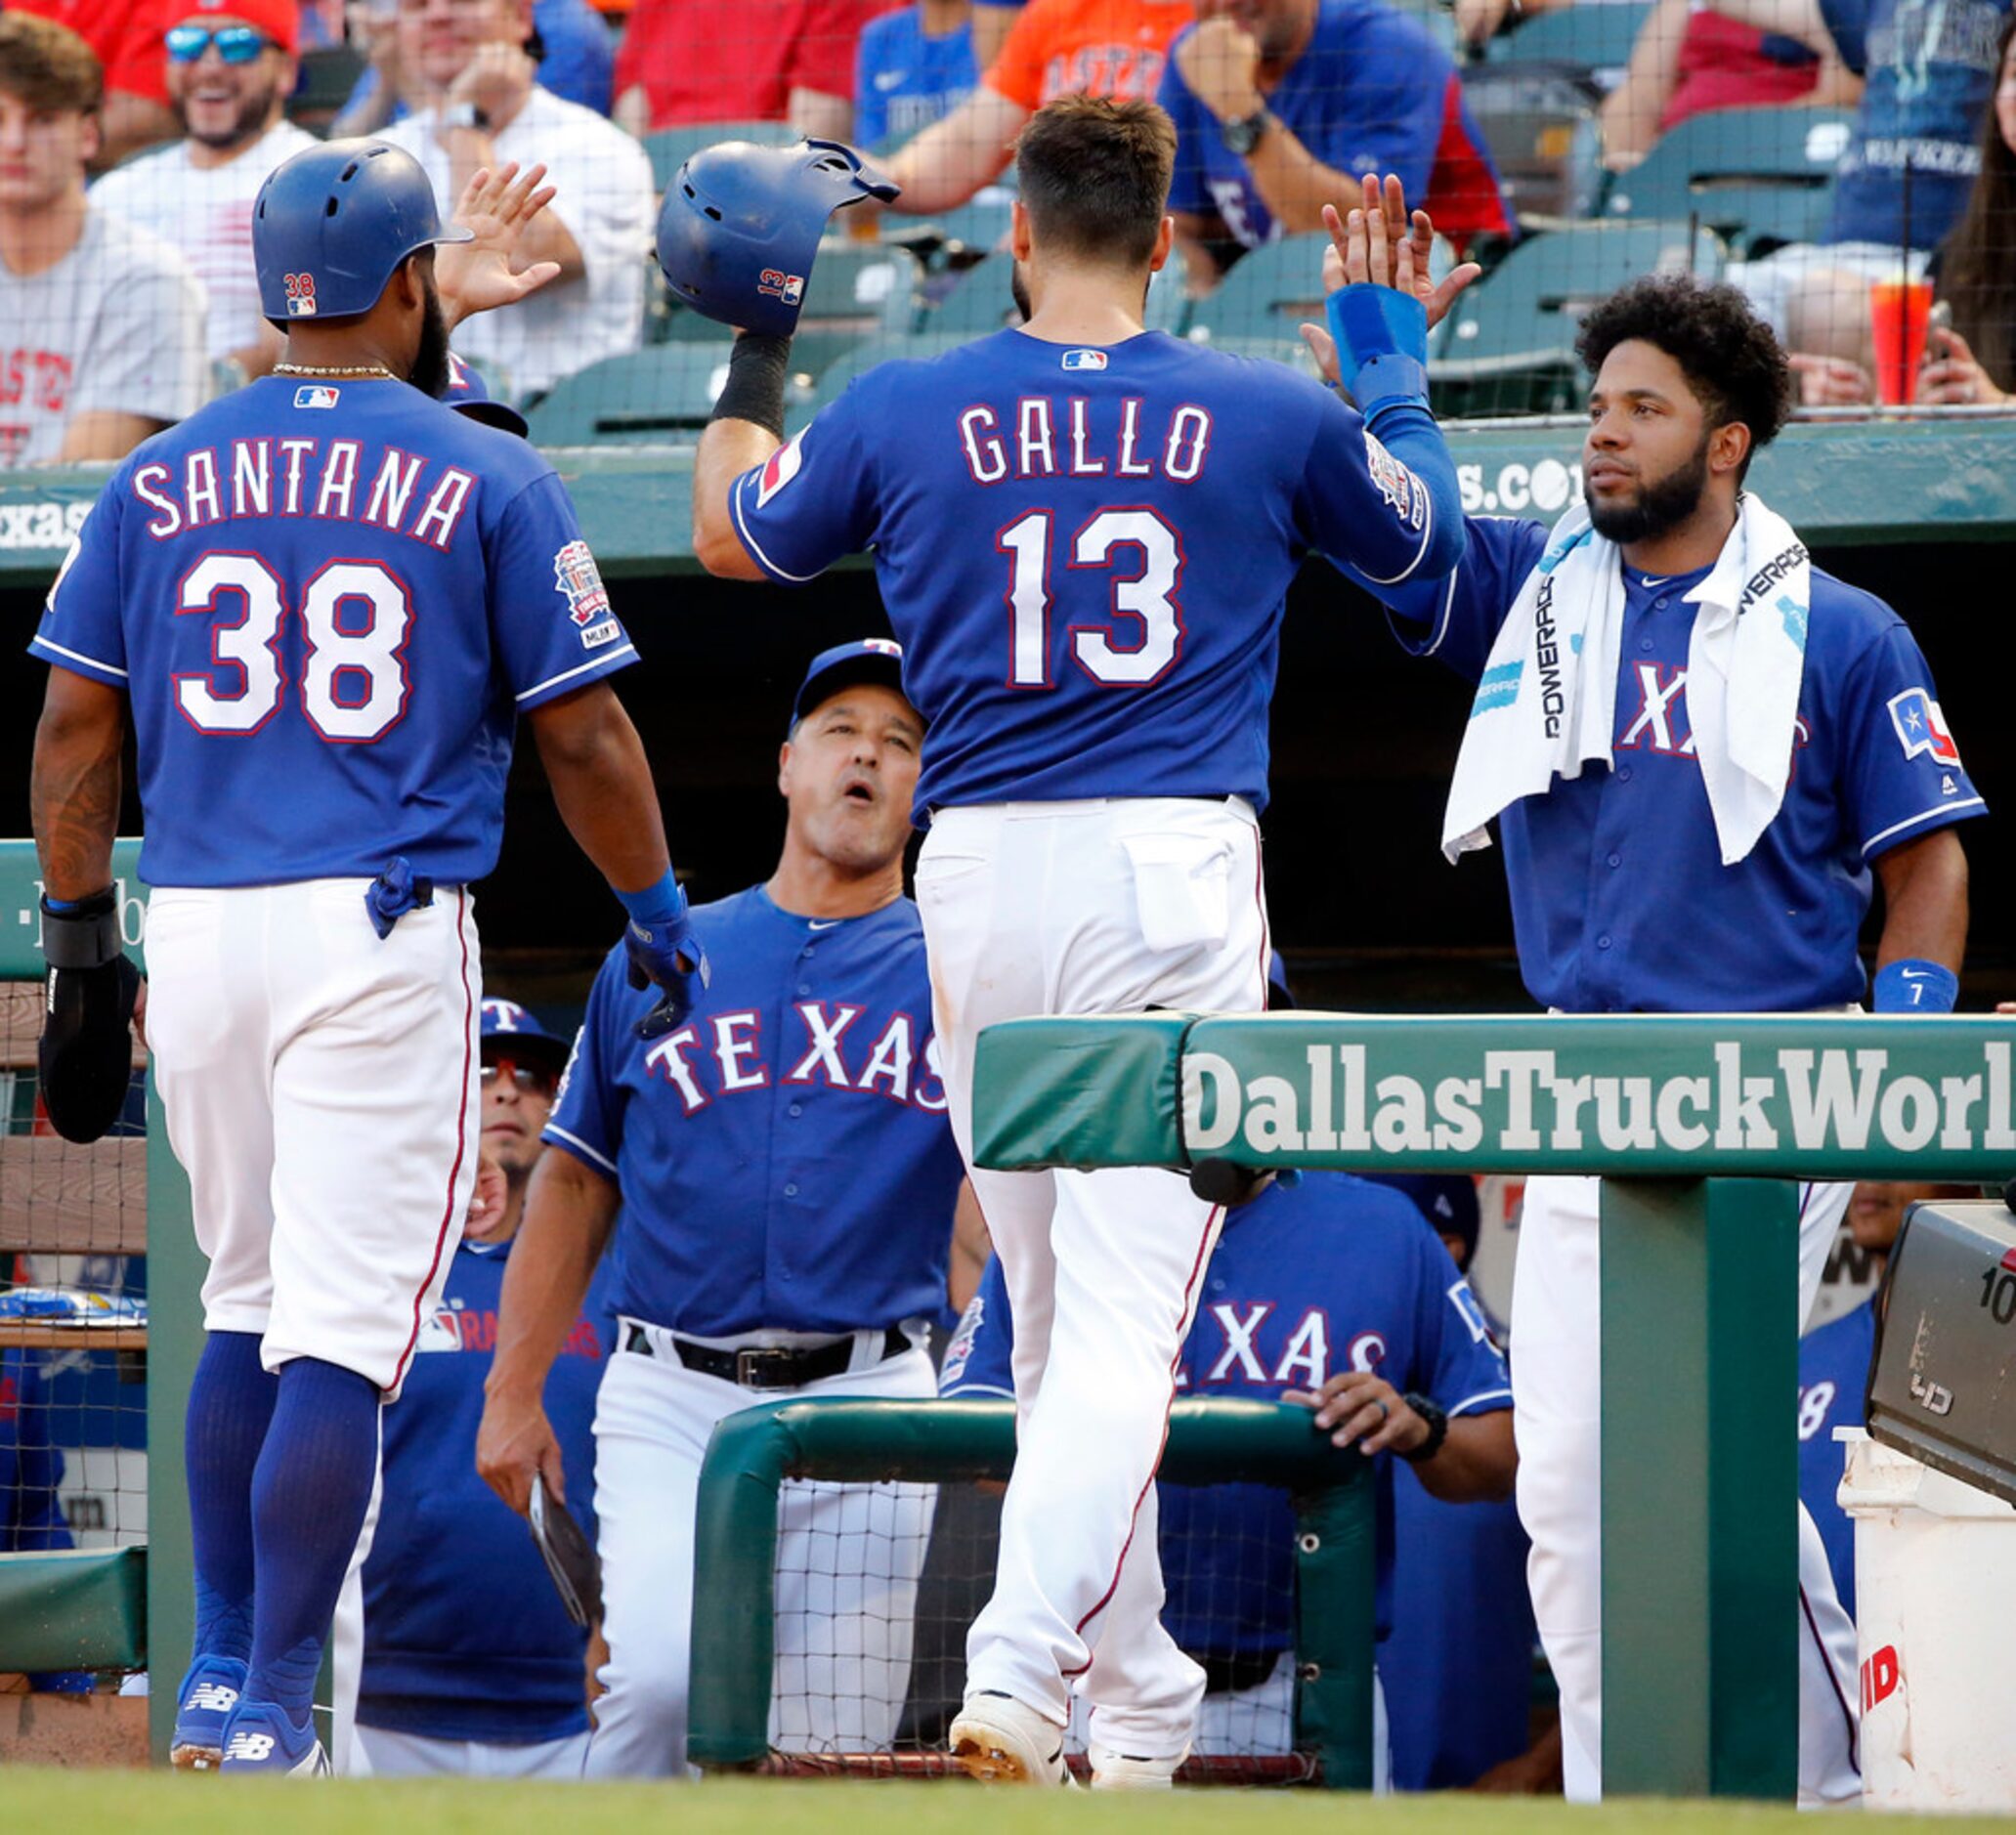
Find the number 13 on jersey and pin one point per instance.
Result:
(1148, 594)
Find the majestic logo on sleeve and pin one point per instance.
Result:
(780, 469)
(1921, 727)
(1396, 484)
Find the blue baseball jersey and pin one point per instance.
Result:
(31, 1520)
(1834, 1386)
(1332, 1275)
(904, 78)
(464, 1634)
(1458, 1666)
(1598, 865)
(784, 1156)
(1367, 94)
(1084, 550)
(327, 602)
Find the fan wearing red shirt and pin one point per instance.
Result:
(690, 62)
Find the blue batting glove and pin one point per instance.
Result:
(1382, 345)
(663, 951)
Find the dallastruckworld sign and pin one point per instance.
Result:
(1837, 1096)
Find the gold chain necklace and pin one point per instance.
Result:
(315, 369)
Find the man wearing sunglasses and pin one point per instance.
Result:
(471, 1666)
(230, 71)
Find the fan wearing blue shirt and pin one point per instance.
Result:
(1334, 1293)
(911, 66)
(787, 1179)
(471, 1666)
(1279, 104)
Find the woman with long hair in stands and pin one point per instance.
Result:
(1977, 264)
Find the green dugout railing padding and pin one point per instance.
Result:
(77, 1608)
(1696, 1124)
(1210, 1442)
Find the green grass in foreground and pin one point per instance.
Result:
(130, 1802)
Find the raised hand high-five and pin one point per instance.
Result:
(481, 274)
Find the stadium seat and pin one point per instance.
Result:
(659, 396)
(1507, 347)
(669, 147)
(1540, 126)
(1594, 40)
(976, 302)
(1268, 292)
(1761, 177)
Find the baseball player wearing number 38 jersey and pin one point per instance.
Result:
(323, 601)
(1084, 532)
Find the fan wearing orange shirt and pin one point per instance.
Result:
(1105, 48)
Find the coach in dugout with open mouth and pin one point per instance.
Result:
(788, 1180)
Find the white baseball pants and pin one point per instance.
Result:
(320, 1090)
(1105, 906)
(848, 1557)
(379, 1752)
(1557, 1366)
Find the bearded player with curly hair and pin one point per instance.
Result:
(1701, 751)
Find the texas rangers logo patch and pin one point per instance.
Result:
(575, 574)
(300, 290)
(779, 469)
(1921, 727)
(317, 395)
(1396, 484)
(789, 287)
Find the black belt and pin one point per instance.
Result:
(765, 1366)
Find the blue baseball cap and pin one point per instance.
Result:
(1447, 1200)
(865, 660)
(506, 1022)
(468, 392)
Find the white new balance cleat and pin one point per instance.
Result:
(999, 1740)
(1117, 1771)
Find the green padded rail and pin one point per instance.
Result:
(75, 1609)
(20, 921)
(1836, 1096)
(1210, 1442)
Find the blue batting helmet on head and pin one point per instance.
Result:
(332, 224)
(741, 224)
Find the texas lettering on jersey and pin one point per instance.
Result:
(726, 1055)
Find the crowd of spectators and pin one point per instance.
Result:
(177, 110)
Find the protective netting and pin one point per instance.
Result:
(876, 1587)
(1844, 166)
(72, 1315)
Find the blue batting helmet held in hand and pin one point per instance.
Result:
(332, 224)
(741, 225)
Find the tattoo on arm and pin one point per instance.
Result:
(75, 797)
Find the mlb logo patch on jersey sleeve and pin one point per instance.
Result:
(579, 580)
(1396, 484)
(1921, 727)
(780, 468)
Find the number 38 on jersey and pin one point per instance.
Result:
(354, 620)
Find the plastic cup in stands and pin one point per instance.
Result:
(1900, 312)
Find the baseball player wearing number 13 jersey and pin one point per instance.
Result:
(325, 600)
(1084, 532)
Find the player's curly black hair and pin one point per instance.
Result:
(1730, 357)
